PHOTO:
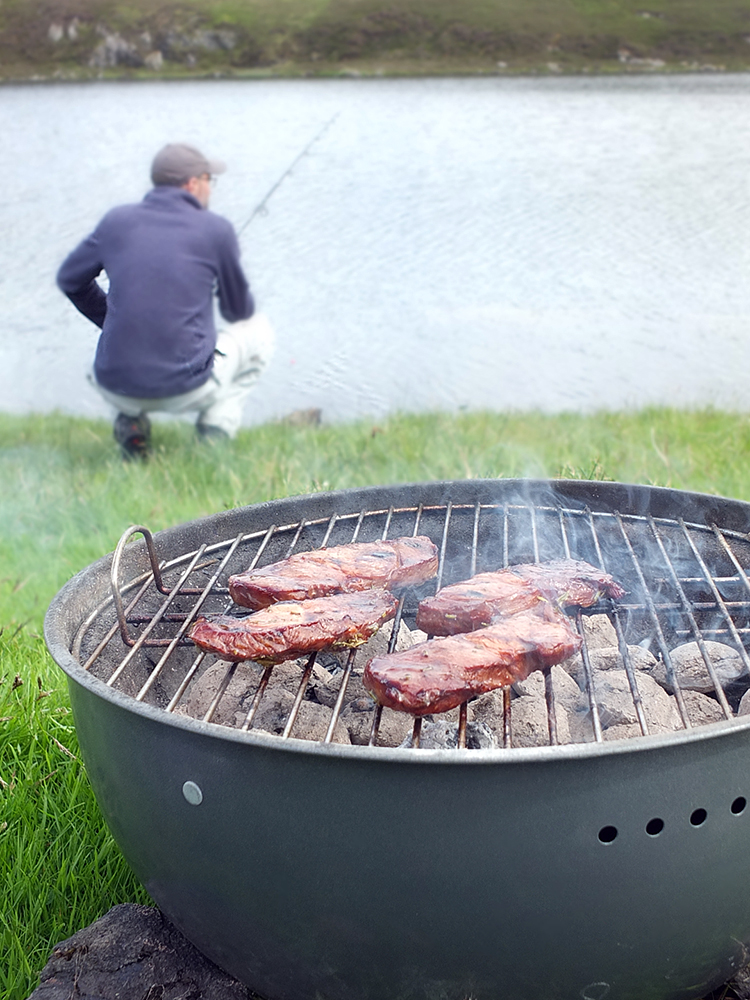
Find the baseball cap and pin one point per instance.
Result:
(177, 163)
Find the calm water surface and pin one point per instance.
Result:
(554, 243)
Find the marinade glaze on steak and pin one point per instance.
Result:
(570, 582)
(400, 562)
(292, 628)
(474, 603)
(437, 675)
(477, 602)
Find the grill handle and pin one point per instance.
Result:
(115, 574)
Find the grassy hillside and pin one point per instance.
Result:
(80, 38)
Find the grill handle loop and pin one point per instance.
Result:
(115, 574)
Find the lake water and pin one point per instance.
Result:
(556, 243)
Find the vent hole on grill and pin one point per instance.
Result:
(654, 827)
(607, 834)
(738, 805)
(698, 817)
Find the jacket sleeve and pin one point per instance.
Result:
(235, 299)
(76, 278)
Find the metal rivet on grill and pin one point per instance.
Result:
(607, 834)
(192, 793)
(738, 805)
(698, 816)
(654, 827)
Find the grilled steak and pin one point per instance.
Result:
(477, 602)
(292, 628)
(437, 675)
(570, 582)
(341, 569)
(474, 603)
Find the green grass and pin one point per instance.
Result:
(66, 497)
(58, 865)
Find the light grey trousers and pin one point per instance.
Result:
(243, 350)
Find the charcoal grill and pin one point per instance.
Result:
(312, 869)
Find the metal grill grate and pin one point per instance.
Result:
(684, 581)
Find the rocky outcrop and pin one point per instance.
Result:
(114, 50)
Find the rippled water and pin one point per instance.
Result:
(454, 243)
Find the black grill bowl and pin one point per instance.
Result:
(316, 871)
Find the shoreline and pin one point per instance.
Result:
(338, 73)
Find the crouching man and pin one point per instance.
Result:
(165, 257)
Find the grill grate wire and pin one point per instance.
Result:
(659, 601)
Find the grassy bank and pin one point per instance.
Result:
(65, 498)
(89, 38)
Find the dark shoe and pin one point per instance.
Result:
(208, 432)
(133, 435)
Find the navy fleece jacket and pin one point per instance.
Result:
(164, 258)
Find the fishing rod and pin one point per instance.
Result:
(260, 207)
